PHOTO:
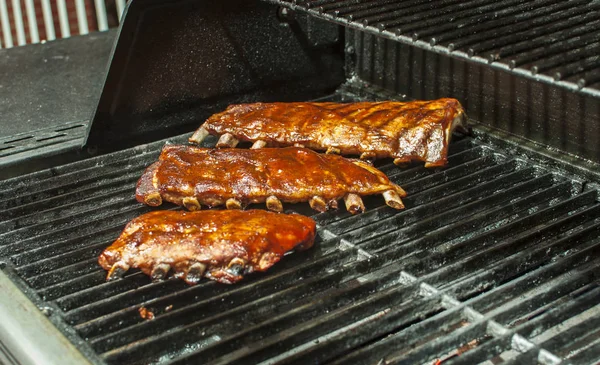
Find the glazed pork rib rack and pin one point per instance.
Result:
(493, 260)
(193, 176)
(405, 131)
(220, 245)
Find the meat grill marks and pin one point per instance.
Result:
(405, 131)
(220, 245)
(193, 176)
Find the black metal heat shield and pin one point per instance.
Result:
(177, 62)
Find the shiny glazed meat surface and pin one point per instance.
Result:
(405, 131)
(194, 176)
(220, 245)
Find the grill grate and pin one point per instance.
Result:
(553, 41)
(494, 258)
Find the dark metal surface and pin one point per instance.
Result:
(47, 95)
(552, 41)
(46, 85)
(176, 62)
(494, 256)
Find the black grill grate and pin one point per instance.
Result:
(553, 41)
(494, 258)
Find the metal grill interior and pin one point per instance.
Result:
(494, 258)
(553, 41)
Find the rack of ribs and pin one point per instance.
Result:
(194, 176)
(405, 131)
(221, 245)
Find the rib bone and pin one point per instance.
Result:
(333, 150)
(160, 271)
(318, 204)
(191, 203)
(368, 156)
(258, 144)
(393, 199)
(227, 140)
(354, 203)
(274, 204)
(153, 199)
(236, 266)
(199, 135)
(233, 203)
(195, 273)
(117, 271)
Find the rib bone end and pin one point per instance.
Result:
(258, 144)
(199, 135)
(393, 200)
(153, 199)
(274, 204)
(318, 204)
(227, 140)
(333, 150)
(354, 203)
(233, 203)
(160, 271)
(195, 273)
(117, 271)
(191, 203)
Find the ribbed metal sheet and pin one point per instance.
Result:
(494, 258)
(553, 41)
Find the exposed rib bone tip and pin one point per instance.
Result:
(367, 155)
(195, 273)
(236, 266)
(354, 203)
(160, 271)
(117, 271)
(318, 204)
(258, 144)
(233, 203)
(199, 136)
(333, 204)
(227, 140)
(274, 204)
(400, 162)
(191, 203)
(153, 199)
(392, 199)
(333, 150)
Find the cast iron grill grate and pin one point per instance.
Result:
(553, 41)
(494, 258)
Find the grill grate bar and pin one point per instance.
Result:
(498, 34)
(94, 319)
(456, 192)
(541, 23)
(480, 212)
(289, 303)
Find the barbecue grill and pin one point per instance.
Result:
(494, 260)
